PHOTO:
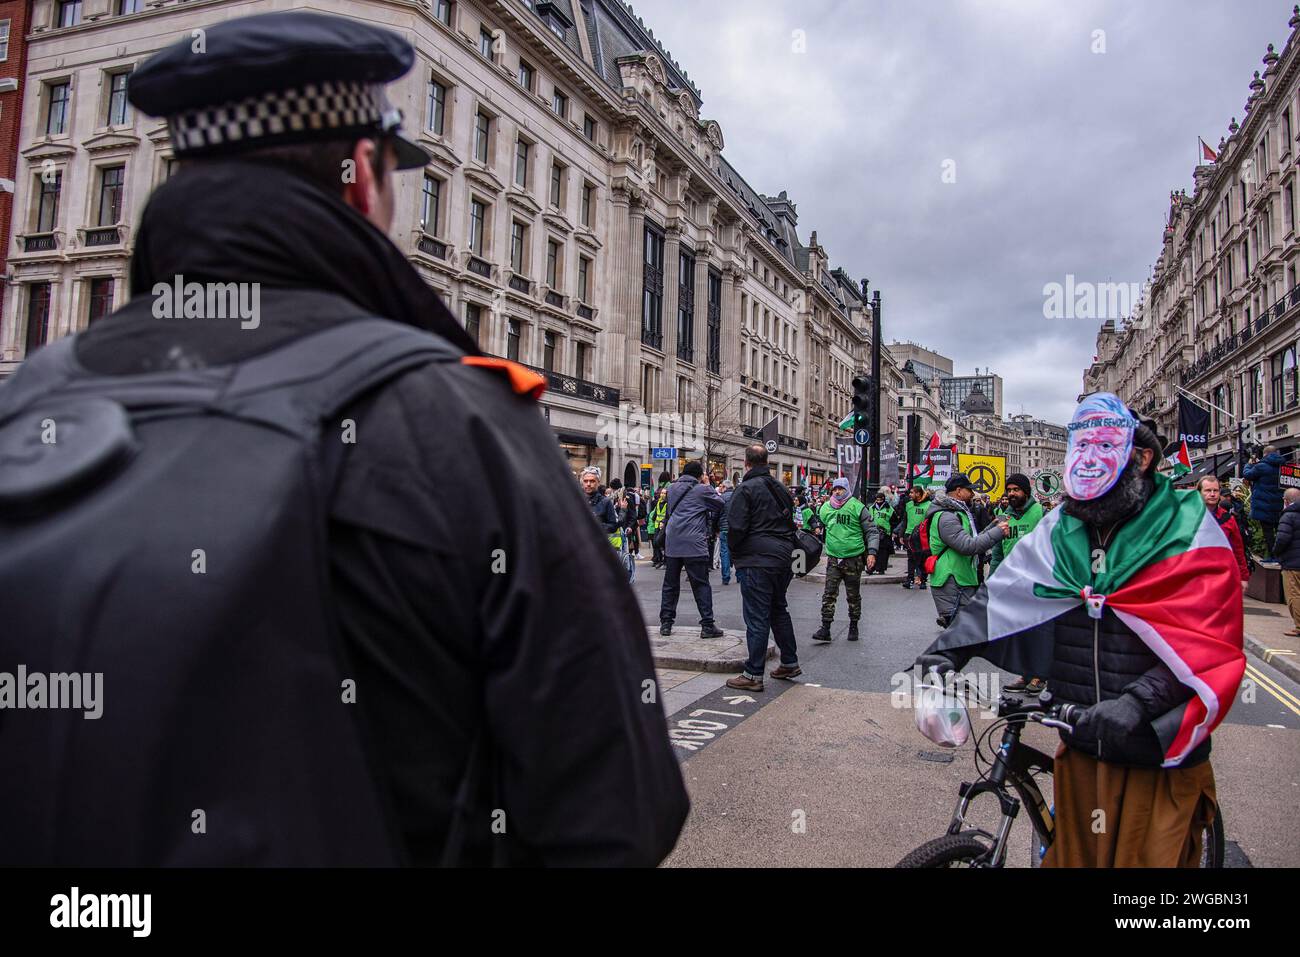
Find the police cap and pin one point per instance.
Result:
(276, 79)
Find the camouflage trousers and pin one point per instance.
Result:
(849, 571)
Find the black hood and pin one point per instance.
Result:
(245, 221)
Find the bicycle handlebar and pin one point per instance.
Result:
(1043, 711)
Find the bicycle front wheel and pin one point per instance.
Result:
(951, 850)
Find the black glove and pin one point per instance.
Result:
(939, 664)
(1111, 721)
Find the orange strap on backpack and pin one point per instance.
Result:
(523, 381)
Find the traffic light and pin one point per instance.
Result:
(864, 396)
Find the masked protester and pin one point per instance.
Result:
(1127, 599)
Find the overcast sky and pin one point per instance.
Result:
(1064, 158)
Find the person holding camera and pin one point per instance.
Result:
(1266, 495)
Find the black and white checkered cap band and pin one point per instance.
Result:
(279, 115)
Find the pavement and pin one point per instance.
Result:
(685, 650)
(829, 769)
(1266, 625)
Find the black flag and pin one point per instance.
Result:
(768, 436)
(1193, 424)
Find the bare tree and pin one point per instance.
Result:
(720, 420)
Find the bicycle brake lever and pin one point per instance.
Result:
(1053, 723)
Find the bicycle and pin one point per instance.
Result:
(1013, 767)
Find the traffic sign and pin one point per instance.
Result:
(862, 437)
(663, 453)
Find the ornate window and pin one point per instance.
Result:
(652, 296)
(686, 307)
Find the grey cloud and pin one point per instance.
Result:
(1065, 158)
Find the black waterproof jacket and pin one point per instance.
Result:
(549, 660)
(760, 522)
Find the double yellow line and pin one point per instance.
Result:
(1272, 687)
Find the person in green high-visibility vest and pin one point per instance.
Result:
(655, 519)
(907, 524)
(882, 514)
(956, 547)
(852, 540)
(1023, 512)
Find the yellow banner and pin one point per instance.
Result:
(988, 473)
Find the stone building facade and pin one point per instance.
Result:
(577, 215)
(1043, 446)
(13, 77)
(1221, 318)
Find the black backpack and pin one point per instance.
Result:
(168, 531)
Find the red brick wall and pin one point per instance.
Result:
(18, 13)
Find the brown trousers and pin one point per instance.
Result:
(1113, 816)
(1291, 588)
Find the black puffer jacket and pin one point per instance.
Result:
(1100, 659)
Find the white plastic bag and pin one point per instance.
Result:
(940, 714)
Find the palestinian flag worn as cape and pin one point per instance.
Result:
(1169, 575)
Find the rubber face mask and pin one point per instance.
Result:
(1101, 443)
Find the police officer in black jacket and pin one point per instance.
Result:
(287, 181)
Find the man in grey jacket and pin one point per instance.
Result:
(693, 507)
(957, 547)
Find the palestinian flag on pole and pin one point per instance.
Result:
(847, 424)
(923, 471)
(1179, 459)
(1169, 575)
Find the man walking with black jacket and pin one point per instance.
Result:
(760, 528)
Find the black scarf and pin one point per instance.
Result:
(238, 220)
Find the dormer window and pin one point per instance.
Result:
(555, 18)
